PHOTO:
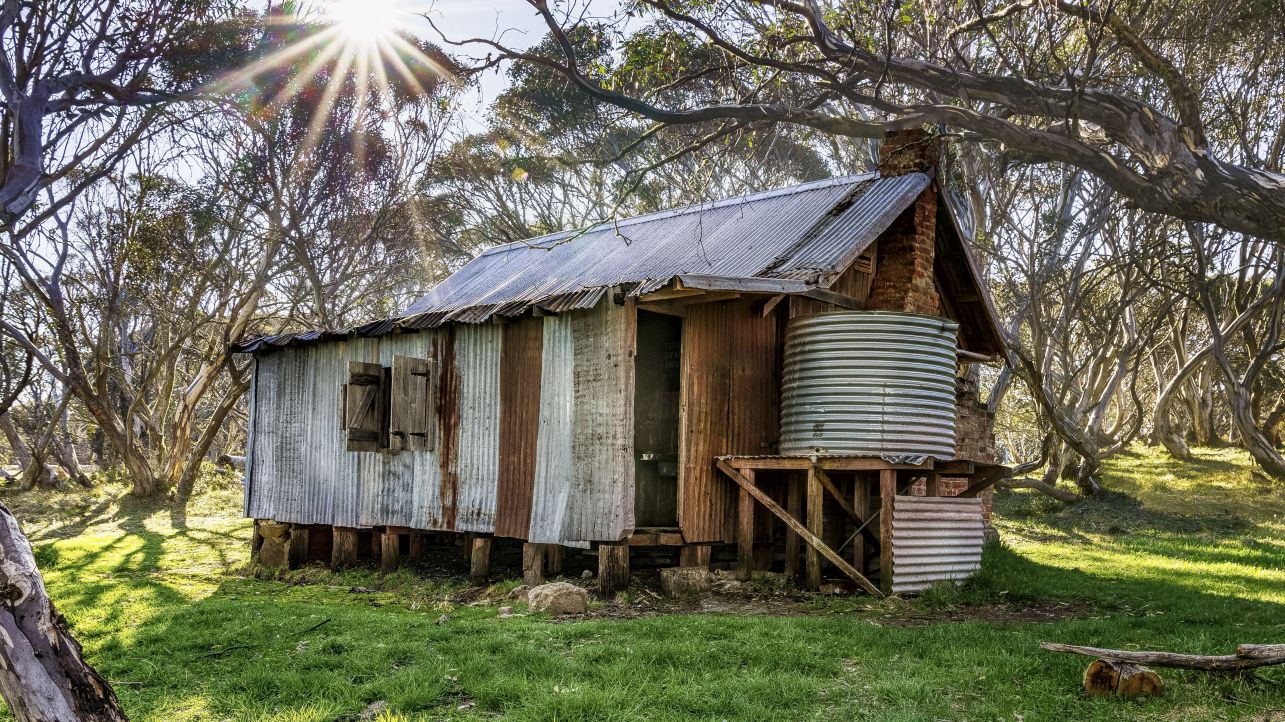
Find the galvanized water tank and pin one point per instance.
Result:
(869, 383)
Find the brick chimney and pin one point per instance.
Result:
(908, 151)
(904, 264)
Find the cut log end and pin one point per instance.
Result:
(1106, 677)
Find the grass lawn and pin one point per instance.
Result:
(1188, 557)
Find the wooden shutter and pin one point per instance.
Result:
(364, 407)
(412, 424)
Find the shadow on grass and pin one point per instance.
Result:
(268, 650)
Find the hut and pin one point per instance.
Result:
(779, 374)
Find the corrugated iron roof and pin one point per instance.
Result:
(806, 234)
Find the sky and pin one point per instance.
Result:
(513, 22)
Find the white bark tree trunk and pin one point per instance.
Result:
(42, 674)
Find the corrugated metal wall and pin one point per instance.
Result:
(935, 539)
(730, 405)
(300, 472)
(519, 421)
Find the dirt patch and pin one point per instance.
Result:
(1003, 613)
(769, 596)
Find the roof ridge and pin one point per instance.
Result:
(684, 210)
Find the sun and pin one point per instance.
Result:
(366, 22)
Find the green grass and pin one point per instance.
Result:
(1186, 556)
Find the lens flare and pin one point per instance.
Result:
(365, 22)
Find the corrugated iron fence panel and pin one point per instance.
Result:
(935, 539)
(519, 424)
(730, 391)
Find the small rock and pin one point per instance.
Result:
(586, 574)
(506, 612)
(681, 582)
(373, 709)
(558, 598)
(443, 619)
(362, 590)
(520, 593)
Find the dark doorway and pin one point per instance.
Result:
(656, 381)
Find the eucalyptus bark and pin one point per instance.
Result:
(43, 675)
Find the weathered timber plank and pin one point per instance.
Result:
(794, 506)
(887, 490)
(745, 531)
(816, 525)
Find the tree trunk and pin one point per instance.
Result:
(32, 470)
(43, 677)
(1255, 442)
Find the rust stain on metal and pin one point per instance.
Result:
(730, 395)
(448, 414)
(520, 363)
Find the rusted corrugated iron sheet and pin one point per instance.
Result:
(730, 378)
(808, 233)
(583, 488)
(850, 227)
(935, 539)
(519, 423)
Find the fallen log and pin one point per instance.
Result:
(1248, 656)
(230, 462)
(1122, 679)
(42, 674)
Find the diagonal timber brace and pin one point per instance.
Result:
(798, 528)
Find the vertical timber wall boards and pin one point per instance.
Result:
(542, 406)
(730, 405)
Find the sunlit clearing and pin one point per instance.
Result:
(364, 21)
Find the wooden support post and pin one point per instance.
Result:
(256, 540)
(613, 568)
(390, 551)
(695, 555)
(418, 546)
(480, 560)
(343, 552)
(860, 502)
(745, 531)
(532, 564)
(553, 559)
(799, 528)
(887, 491)
(816, 525)
(794, 507)
(297, 555)
(932, 484)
